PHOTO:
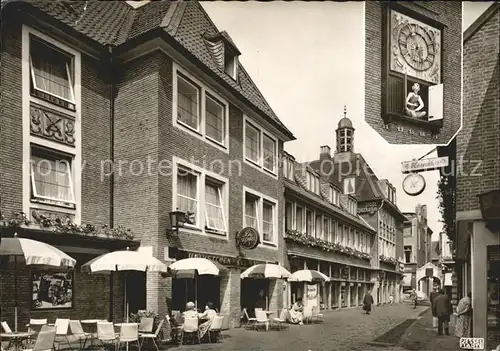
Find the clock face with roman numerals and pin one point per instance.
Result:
(415, 48)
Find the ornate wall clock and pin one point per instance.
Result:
(414, 184)
(415, 48)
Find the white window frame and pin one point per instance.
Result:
(74, 152)
(313, 219)
(302, 219)
(259, 165)
(261, 198)
(68, 70)
(333, 231)
(292, 215)
(220, 188)
(66, 157)
(204, 93)
(326, 228)
(203, 174)
(318, 232)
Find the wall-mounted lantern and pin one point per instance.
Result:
(490, 209)
(177, 220)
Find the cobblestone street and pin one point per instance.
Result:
(342, 330)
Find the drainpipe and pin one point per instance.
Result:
(111, 87)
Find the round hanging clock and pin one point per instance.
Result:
(417, 46)
(414, 184)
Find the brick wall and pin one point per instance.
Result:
(11, 140)
(89, 302)
(445, 12)
(478, 144)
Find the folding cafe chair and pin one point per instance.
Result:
(190, 327)
(77, 331)
(129, 332)
(154, 337)
(44, 341)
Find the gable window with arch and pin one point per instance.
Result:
(51, 177)
(52, 72)
(199, 110)
(203, 196)
(260, 148)
(260, 214)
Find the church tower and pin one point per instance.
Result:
(345, 135)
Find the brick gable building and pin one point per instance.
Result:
(478, 172)
(152, 112)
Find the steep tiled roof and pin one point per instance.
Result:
(116, 22)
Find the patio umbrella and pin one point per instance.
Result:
(267, 271)
(191, 267)
(33, 253)
(125, 260)
(308, 275)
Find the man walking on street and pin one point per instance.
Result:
(367, 302)
(442, 309)
(432, 298)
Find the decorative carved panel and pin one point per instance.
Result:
(52, 125)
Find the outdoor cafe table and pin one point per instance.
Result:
(17, 337)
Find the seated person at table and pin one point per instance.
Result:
(208, 317)
(296, 313)
(190, 312)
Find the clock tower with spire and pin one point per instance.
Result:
(345, 134)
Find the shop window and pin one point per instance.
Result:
(51, 74)
(51, 178)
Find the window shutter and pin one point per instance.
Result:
(436, 102)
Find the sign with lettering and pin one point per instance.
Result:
(369, 207)
(247, 238)
(224, 260)
(427, 164)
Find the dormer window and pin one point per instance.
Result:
(334, 196)
(312, 181)
(230, 63)
(224, 52)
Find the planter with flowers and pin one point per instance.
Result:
(64, 225)
(304, 239)
(386, 259)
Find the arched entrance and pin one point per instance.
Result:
(428, 276)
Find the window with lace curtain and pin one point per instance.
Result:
(188, 103)
(51, 74)
(267, 222)
(252, 211)
(260, 214)
(214, 210)
(252, 143)
(51, 178)
(187, 194)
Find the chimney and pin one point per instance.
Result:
(325, 152)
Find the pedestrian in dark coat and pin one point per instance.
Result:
(443, 309)
(367, 302)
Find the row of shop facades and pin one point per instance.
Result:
(111, 102)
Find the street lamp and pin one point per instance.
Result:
(177, 219)
(490, 209)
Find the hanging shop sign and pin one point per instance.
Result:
(414, 184)
(247, 238)
(428, 164)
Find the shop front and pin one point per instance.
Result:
(346, 288)
(227, 291)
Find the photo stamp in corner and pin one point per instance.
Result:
(413, 70)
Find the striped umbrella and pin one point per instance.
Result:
(308, 275)
(266, 270)
(33, 252)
